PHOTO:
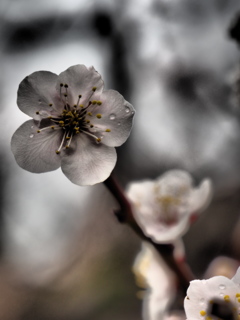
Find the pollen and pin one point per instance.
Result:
(202, 313)
(99, 116)
(99, 102)
(81, 106)
(94, 88)
(94, 101)
(226, 298)
(108, 130)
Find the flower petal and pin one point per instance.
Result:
(35, 152)
(116, 117)
(36, 92)
(201, 196)
(87, 162)
(81, 81)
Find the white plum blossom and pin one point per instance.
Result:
(165, 207)
(75, 125)
(152, 274)
(202, 294)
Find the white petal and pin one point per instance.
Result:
(201, 293)
(80, 81)
(201, 197)
(36, 92)
(87, 162)
(117, 115)
(35, 152)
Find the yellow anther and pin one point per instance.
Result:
(76, 128)
(77, 131)
(79, 96)
(67, 147)
(61, 122)
(89, 113)
(98, 140)
(91, 125)
(94, 101)
(67, 138)
(50, 104)
(52, 127)
(75, 106)
(99, 116)
(37, 112)
(208, 318)
(238, 299)
(57, 151)
(81, 106)
(226, 298)
(38, 131)
(203, 313)
(94, 88)
(50, 117)
(88, 121)
(237, 295)
(108, 130)
(99, 102)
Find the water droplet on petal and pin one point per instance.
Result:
(112, 116)
(127, 110)
(31, 135)
(222, 287)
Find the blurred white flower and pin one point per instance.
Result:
(164, 207)
(221, 290)
(152, 273)
(75, 125)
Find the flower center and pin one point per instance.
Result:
(73, 119)
(168, 210)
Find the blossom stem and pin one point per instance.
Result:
(125, 215)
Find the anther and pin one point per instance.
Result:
(80, 96)
(50, 104)
(94, 89)
(66, 86)
(38, 131)
(94, 101)
(57, 152)
(89, 113)
(37, 112)
(98, 140)
(108, 130)
(99, 116)
(203, 313)
(99, 102)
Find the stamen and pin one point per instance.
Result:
(94, 89)
(108, 130)
(69, 141)
(91, 135)
(45, 128)
(99, 102)
(99, 116)
(61, 145)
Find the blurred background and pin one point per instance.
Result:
(63, 253)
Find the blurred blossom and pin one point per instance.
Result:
(164, 207)
(152, 274)
(203, 296)
(75, 124)
(223, 266)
